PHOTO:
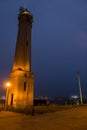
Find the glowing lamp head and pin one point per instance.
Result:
(8, 84)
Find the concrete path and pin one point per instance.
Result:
(71, 119)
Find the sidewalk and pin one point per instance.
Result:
(71, 119)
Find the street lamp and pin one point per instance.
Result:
(6, 100)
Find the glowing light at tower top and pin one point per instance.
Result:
(24, 11)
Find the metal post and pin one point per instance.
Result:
(80, 90)
(6, 100)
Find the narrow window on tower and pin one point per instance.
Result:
(27, 43)
(25, 75)
(24, 86)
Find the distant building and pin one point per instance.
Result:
(21, 91)
(40, 101)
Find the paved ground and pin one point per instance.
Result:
(71, 119)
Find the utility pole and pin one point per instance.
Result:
(80, 89)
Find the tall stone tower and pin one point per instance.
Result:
(21, 91)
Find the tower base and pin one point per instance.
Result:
(21, 91)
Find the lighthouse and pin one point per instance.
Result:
(21, 91)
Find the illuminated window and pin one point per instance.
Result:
(24, 86)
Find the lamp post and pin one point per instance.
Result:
(6, 100)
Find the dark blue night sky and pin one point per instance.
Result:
(59, 44)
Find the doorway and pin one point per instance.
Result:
(12, 96)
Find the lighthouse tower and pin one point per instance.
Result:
(21, 91)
